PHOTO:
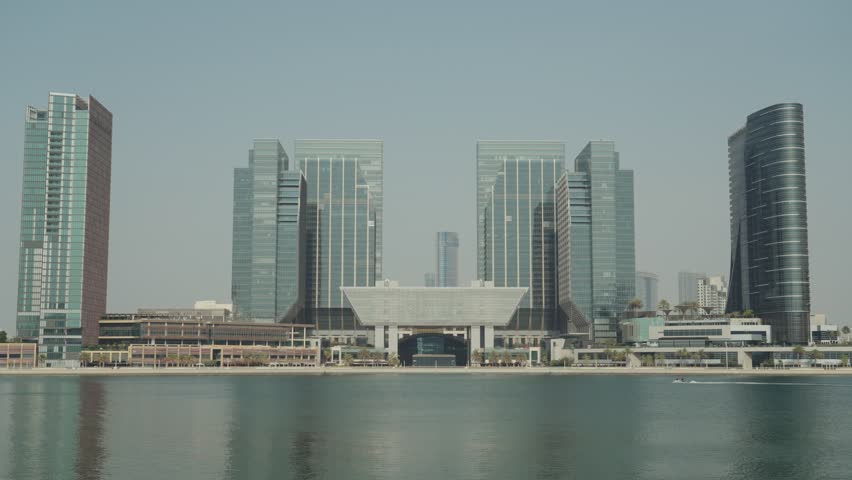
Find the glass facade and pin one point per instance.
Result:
(64, 234)
(603, 258)
(370, 156)
(447, 259)
(268, 275)
(342, 225)
(769, 224)
(516, 184)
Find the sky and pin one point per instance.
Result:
(190, 84)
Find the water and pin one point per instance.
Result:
(424, 427)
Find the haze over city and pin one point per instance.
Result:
(191, 85)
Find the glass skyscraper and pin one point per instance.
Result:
(646, 289)
(344, 184)
(447, 259)
(268, 274)
(64, 236)
(769, 223)
(516, 234)
(603, 258)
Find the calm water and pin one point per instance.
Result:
(424, 426)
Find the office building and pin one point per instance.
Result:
(64, 236)
(447, 259)
(769, 224)
(344, 218)
(647, 285)
(268, 266)
(712, 293)
(687, 286)
(516, 229)
(602, 238)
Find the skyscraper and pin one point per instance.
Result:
(646, 289)
(516, 234)
(603, 259)
(429, 279)
(687, 286)
(343, 225)
(769, 223)
(713, 293)
(64, 242)
(447, 259)
(269, 237)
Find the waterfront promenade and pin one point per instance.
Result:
(284, 371)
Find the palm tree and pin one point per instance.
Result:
(682, 355)
(701, 357)
(476, 356)
(747, 313)
(799, 351)
(815, 355)
(665, 307)
(42, 358)
(347, 359)
(660, 358)
(393, 360)
(326, 354)
(844, 360)
(626, 352)
(634, 305)
(696, 359)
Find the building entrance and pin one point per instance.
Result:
(432, 344)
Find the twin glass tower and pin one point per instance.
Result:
(573, 249)
(300, 234)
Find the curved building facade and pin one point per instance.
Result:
(769, 224)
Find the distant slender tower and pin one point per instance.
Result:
(62, 272)
(447, 259)
(769, 222)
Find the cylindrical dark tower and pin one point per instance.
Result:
(777, 222)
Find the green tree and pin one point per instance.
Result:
(586, 359)
(364, 354)
(347, 359)
(682, 355)
(393, 360)
(845, 330)
(799, 350)
(747, 313)
(326, 354)
(3, 336)
(660, 359)
(42, 359)
(634, 305)
(701, 356)
(476, 356)
(664, 306)
(626, 354)
(844, 360)
(814, 355)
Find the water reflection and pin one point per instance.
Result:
(90, 434)
(419, 426)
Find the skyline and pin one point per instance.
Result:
(159, 163)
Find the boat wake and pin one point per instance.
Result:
(796, 384)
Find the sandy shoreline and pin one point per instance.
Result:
(177, 371)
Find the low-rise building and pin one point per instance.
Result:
(127, 329)
(710, 331)
(823, 332)
(18, 355)
(203, 356)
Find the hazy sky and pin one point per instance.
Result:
(190, 86)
